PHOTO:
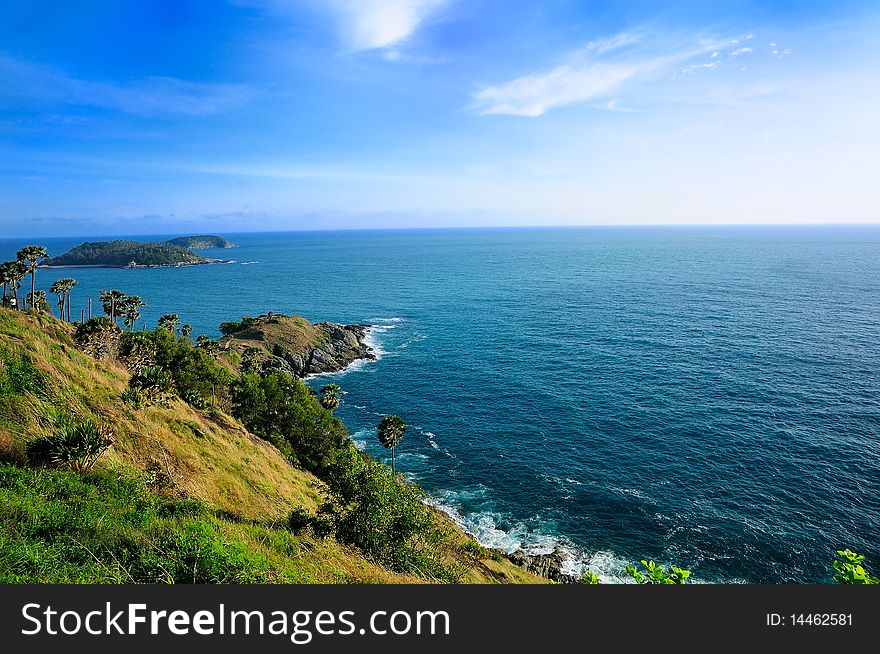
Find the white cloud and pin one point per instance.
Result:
(149, 96)
(740, 51)
(377, 24)
(588, 76)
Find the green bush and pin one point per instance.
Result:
(279, 408)
(75, 444)
(850, 569)
(152, 385)
(384, 517)
(655, 574)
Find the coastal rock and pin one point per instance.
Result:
(548, 566)
(342, 345)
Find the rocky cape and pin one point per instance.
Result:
(344, 345)
(296, 346)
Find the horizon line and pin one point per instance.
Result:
(457, 227)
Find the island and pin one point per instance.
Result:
(201, 242)
(128, 254)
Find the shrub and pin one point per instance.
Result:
(278, 407)
(75, 444)
(655, 574)
(299, 520)
(589, 578)
(850, 570)
(384, 517)
(133, 397)
(279, 350)
(153, 384)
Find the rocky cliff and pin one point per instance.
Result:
(292, 344)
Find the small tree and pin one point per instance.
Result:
(392, 429)
(38, 301)
(186, 330)
(111, 302)
(30, 256)
(330, 396)
(169, 322)
(62, 289)
(130, 310)
(15, 272)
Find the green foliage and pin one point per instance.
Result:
(18, 374)
(589, 578)
(330, 396)
(63, 527)
(279, 350)
(231, 327)
(130, 310)
(191, 372)
(655, 574)
(37, 300)
(384, 517)
(74, 444)
(152, 385)
(392, 429)
(276, 406)
(850, 569)
(201, 242)
(133, 397)
(122, 253)
(169, 322)
(93, 326)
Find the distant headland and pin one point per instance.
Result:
(173, 253)
(201, 242)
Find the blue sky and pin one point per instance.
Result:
(119, 116)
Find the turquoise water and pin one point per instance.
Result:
(703, 396)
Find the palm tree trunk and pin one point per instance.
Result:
(393, 469)
(33, 284)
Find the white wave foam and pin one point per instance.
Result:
(249, 263)
(483, 525)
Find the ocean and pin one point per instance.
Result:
(702, 396)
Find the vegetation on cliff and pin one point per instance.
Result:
(186, 492)
(201, 242)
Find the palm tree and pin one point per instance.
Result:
(17, 272)
(186, 330)
(330, 396)
(392, 429)
(62, 289)
(38, 301)
(29, 256)
(169, 321)
(130, 310)
(111, 301)
(5, 279)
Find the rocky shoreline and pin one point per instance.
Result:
(343, 345)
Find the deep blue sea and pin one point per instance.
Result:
(708, 397)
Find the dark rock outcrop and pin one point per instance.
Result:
(548, 566)
(341, 346)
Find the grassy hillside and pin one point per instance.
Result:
(182, 495)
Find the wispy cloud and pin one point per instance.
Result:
(381, 24)
(594, 72)
(151, 96)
